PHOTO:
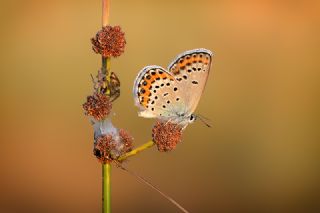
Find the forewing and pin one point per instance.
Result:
(152, 91)
(191, 70)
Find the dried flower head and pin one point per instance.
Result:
(127, 141)
(110, 147)
(98, 106)
(166, 135)
(109, 42)
(102, 148)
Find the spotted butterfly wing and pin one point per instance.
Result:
(191, 70)
(173, 94)
(151, 91)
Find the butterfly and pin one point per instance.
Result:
(173, 94)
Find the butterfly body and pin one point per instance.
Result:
(173, 94)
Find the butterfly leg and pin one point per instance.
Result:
(168, 121)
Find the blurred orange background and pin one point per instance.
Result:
(261, 155)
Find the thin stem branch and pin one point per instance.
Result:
(106, 188)
(136, 150)
(154, 187)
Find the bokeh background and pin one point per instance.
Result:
(261, 155)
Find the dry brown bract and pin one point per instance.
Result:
(166, 135)
(109, 42)
(98, 106)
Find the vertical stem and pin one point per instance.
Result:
(105, 22)
(106, 188)
(106, 61)
(106, 67)
(105, 12)
(106, 167)
(106, 70)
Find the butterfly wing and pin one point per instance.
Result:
(152, 90)
(191, 70)
(173, 95)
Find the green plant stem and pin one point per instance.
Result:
(136, 150)
(106, 65)
(105, 68)
(106, 188)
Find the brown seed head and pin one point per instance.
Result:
(109, 42)
(127, 140)
(111, 146)
(98, 106)
(102, 148)
(166, 135)
(123, 144)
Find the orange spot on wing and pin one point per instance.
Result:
(175, 71)
(166, 75)
(183, 64)
(145, 102)
(146, 87)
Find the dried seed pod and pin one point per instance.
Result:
(110, 142)
(109, 41)
(98, 106)
(166, 135)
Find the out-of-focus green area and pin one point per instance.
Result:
(261, 155)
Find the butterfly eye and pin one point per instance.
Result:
(192, 118)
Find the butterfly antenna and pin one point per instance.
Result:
(204, 120)
(203, 117)
(153, 187)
